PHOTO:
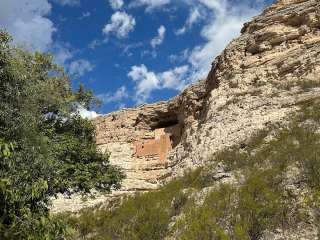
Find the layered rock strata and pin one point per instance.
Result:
(257, 80)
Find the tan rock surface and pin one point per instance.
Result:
(256, 80)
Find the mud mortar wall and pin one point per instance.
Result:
(140, 144)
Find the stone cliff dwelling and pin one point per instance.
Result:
(166, 136)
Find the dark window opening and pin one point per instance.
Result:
(165, 120)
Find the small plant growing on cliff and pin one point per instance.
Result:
(178, 202)
(307, 85)
(233, 84)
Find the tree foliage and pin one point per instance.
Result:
(46, 148)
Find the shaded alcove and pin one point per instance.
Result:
(167, 135)
(171, 125)
(164, 120)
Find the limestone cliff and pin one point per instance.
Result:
(255, 81)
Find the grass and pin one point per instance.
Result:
(316, 203)
(232, 101)
(144, 216)
(297, 143)
(231, 213)
(307, 85)
(259, 203)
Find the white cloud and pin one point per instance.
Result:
(223, 20)
(225, 23)
(96, 43)
(118, 96)
(193, 18)
(129, 47)
(120, 25)
(62, 53)
(159, 38)
(68, 2)
(26, 21)
(85, 15)
(145, 82)
(148, 81)
(116, 4)
(175, 78)
(147, 53)
(149, 4)
(66, 56)
(180, 57)
(84, 113)
(80, 67)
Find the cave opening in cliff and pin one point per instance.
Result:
(165, 120)
(168, 123)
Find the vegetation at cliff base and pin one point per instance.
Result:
(269, 183)
(46, 148)
(271, 171)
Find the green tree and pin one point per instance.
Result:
(46, 147)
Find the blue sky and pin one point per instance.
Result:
(129, 52)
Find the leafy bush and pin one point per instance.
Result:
(46, 147)
(237, 157)
(205, 222)
(260, 205)
(231, 213)
(178, 202)
(143, 216)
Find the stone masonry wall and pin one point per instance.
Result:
(160, 146)
(140, 148)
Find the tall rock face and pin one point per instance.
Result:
(257, 80)
(142, 140)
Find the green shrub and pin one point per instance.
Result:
(260, 204)
(45, 147)
(143, 216)
(205, 222)
(307, 85)
(244, 212)
(242, 156)
(316, 205)
(178, 202)
(232, 213)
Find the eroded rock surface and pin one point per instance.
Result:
(257, 80)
